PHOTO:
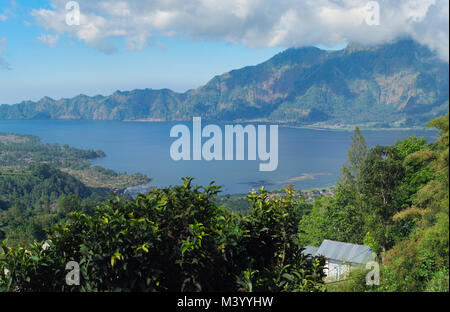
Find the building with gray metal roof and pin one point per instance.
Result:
(346, 252)
(340, 257)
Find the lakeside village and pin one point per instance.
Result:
(310, 195)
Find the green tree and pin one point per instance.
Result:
(172, 239)
(356, 156)
(16, 211)
(273, 249)
(382, 197)
(68, 203)
(340, 217)
(421, 260)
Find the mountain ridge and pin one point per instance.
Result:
(400, 84)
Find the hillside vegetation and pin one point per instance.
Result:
(17, 152)
(41, 183)
(38, 198)
(392, 198)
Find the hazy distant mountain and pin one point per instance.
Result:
(399, 84)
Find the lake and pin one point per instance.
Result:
(307, 158)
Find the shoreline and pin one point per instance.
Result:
(351, 128)
(331, 127)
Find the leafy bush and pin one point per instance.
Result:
(439, 281)
(273, 247)
(172, 239)
(355, 281)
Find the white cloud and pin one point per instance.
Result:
(255, 23)
(8, 13)
(3, 63)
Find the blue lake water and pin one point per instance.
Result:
(307, 158)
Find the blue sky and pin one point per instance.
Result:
(182, 44)
(72, 68)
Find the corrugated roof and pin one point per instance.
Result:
(346, 252)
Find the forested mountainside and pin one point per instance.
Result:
(401, 84)
(41, 183)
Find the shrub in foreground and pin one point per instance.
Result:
(172, 239)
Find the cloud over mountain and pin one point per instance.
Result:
(255, 23)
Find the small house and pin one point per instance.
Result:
(340, 257)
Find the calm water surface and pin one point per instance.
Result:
(307, 158)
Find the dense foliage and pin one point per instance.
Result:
(172, 239)
(421, 262)
(396, 200)
(17, 152)
(38, 198)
